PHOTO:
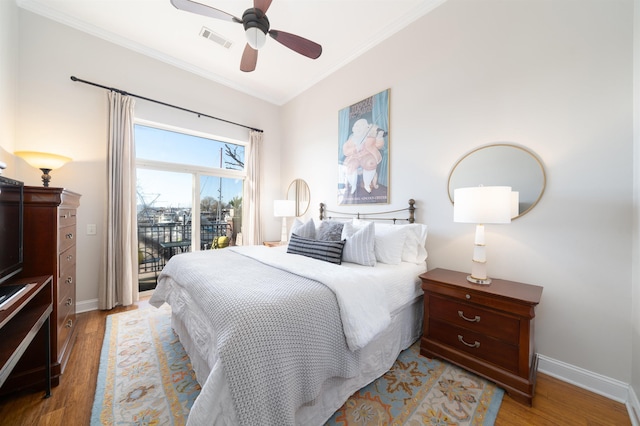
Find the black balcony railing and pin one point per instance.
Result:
(157, 243)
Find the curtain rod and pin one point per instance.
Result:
(199, 114)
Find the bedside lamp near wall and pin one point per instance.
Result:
(284, 209)
(43, 161)
(482, 205)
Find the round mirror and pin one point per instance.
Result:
(501, 165)
(299, 192)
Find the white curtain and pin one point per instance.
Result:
(251, 228)
(119, 285)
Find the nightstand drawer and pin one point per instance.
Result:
(474, 318)
(476, 344)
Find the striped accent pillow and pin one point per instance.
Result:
(359, 247)
(329, 251)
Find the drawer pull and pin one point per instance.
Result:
(65, 216)
(69, 323)
(476, 319)
(474, 345)
(69, 257)
(69, 236)
(69, 280)
(69, 302)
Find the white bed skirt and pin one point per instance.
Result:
(377, 358)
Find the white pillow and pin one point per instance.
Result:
(304, 229)
(414, 250)
(359, 247)
(389, 243)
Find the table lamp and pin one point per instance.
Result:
(43, 161)
(482, 205)
(284, 209)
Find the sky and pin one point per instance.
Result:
(173, 189)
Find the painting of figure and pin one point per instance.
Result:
(363, 157)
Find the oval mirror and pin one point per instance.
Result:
(299, 192)
(501, 165)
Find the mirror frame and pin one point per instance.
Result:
(295, 185)
(528, 152)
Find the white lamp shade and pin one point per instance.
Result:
(43, 160)
(482, 204)
(284, 208)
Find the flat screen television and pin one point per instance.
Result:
(11, 222)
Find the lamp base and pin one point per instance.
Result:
(46, 177)
(483, 281)
(283, 231)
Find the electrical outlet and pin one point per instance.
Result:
(91, 229)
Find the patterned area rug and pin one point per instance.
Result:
(145, 375)
(422, 391)
(145, 378)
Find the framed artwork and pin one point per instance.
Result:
(363, 151)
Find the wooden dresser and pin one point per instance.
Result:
(486, 329)
(50, 249)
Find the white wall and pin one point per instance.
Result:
(54, 114)
(552, 76)
(635, 318)
(8, 75)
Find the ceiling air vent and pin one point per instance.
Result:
(215, 37)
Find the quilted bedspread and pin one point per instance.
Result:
(279, 335)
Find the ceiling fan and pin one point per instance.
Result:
(256, 27)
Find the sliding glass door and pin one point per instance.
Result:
(189, 191)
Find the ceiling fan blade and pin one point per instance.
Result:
(263, 5)
(249, 59)
(298, 44)
(201, 9)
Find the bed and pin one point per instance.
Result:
(282, 335)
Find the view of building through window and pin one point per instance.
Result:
(185, 182)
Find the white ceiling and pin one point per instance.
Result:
(344, 28)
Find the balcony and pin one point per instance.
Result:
(157, 243)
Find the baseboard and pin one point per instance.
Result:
(593, 382)
(92, 305)
(86, 305)
(633, 406)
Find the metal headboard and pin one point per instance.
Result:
(348, 215)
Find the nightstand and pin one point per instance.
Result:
(274, 243)
(485, 329)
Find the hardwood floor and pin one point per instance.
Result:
(555, 403)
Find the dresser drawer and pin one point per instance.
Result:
(67, 238)
(67, 261)
(475, 318)
(476, 344)
(66, 217)
(66, 283)
(65, 290)
(66, 318)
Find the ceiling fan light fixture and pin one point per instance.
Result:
(255, 37)
(256, 26)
